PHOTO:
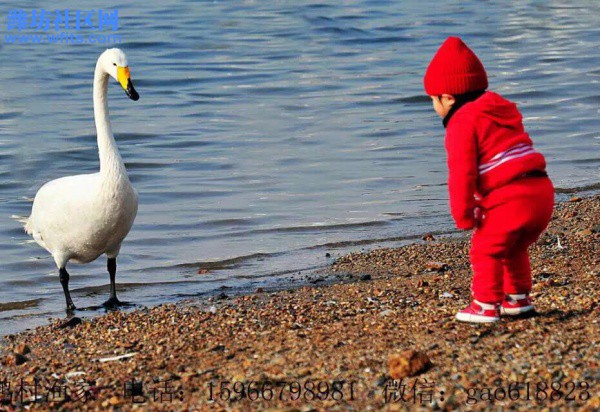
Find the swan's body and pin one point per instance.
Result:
(81, 217)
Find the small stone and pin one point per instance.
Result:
(584, 233)
(15, 359)
(428, 237)
(408, 363)
(22, 349)
(70, 323)
(365, 277)
(575, 199)
(545, 239)
(327, 255)
(259, 290)
(596, 229)
(381, 381)
(446, 295)
(437, 266)
(202, 271)
(218, 348)
(114, 401)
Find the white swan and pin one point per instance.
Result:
(81, 217)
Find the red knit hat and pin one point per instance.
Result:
(454, 69)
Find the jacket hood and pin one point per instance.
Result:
(499, 110)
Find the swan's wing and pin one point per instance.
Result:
(58, 201)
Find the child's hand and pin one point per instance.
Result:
(468, 220)
(475, 223)
(466, 224)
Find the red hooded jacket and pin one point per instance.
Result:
(487, 147)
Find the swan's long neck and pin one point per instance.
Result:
(111, 164)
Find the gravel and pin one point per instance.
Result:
(170, 357)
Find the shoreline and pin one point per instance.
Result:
(367, 307)
(314, 271)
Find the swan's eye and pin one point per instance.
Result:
(115, 64)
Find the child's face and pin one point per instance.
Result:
(442, 104)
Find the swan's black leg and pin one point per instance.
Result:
(111, 265)
(64, 281)
(112, 301)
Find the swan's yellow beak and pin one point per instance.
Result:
(123, 76)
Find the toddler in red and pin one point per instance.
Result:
(497, 181)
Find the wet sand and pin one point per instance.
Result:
(328, 347)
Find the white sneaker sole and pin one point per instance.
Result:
(515, 311)
(468, 317)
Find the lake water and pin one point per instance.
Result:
(269, 133)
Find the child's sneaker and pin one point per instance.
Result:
(516, 305)
(479, 312)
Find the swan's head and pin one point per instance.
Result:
(114, 62)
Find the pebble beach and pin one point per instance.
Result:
(376, 331)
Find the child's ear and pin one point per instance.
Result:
(450, 100)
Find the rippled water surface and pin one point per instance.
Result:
(271, 132)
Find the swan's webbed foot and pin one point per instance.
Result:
(114, 303)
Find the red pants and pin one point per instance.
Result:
(513, 217)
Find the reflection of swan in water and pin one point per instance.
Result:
(81, 217)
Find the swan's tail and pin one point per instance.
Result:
(24, 221)
(31, 230)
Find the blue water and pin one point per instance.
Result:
(271, 132)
